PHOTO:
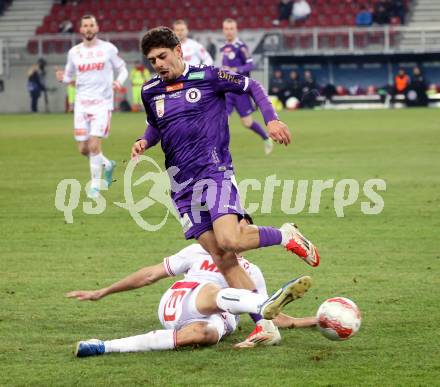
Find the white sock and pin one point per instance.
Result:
(237, 301)
(285, 237)
(95, 170)
(105, 161)
(151, 341)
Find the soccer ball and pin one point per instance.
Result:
(338, 318)
(292, 103)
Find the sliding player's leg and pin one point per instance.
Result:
(197, 333)
(212, 299)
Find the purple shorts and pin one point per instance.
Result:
(207, 200)
(242, 103)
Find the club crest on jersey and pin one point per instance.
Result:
(193, 95)
(231, 55)
(160, 108)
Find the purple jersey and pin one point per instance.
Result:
(189, 117)
(236, 54)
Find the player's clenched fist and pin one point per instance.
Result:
(138, 148)
(279, 132)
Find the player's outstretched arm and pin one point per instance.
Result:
(239, 84)
(143, 277)
(285, 321)
(278, 131)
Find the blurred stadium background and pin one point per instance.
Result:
(351, 65)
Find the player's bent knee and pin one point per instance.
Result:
(228, 243)
(208, 335)
(94, 149)
(83, 148)
(197, 334)
(247, 121)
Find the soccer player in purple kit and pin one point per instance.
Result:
(186, 112)
(236, 57)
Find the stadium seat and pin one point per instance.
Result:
(360, 39)
(306, 40)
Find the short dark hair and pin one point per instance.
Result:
(159, 37)
(87, 16)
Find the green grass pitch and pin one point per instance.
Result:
(388, 264)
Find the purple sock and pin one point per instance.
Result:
(257, 128)
(255, 316)
(269, 236)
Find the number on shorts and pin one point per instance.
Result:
(170, 309)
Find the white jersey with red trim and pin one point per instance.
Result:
(195, 54)
(197, 265)
(93, 67)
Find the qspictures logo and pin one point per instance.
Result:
(273, 195)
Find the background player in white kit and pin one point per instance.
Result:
(193, 52)
(92, 63)
(192, 311)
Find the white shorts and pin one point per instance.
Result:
(92, 124)
(177, 309)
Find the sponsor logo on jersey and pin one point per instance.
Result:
(175, 87)
(150, 85)
(175, 95)
(229, 77)
(208, 266)
(160, 108)
(231, 55)
(197, 75)
(90, 67)
(158, 97)
(193, 95)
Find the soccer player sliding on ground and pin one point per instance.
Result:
(200, 309)
(92, 63)
(186, 112)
